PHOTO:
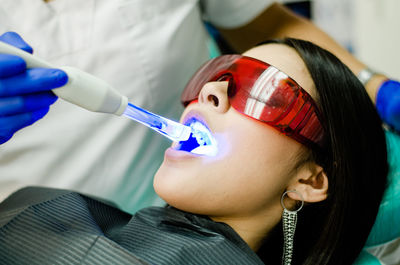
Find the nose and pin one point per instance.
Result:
(215, 95)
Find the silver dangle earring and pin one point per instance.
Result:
(289, 221)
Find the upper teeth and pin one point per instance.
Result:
(201, 133)
(207, 143)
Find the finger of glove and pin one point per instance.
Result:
(20, 104)
(11, 65)
(16, 40)
(5, 138)
(11, 124)
(31, 81)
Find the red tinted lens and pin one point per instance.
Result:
(263, 92)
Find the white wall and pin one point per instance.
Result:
(370, 27)
(377, 34)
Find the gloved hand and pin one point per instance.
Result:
(388, 103)
(25, 94)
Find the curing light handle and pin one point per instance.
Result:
(82, 89)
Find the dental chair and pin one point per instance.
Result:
(383, 244)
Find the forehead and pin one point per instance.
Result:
(287, 60)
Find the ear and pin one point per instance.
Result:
(311, 182)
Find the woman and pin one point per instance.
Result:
(325, 160)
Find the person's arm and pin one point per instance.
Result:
(278, 21)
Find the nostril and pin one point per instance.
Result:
(214, 99)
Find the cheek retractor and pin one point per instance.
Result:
(94, 94)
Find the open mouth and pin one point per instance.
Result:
(200, 142)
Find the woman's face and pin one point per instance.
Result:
(254, 163)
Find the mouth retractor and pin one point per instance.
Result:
(200, 142)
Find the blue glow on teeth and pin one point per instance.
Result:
(200, 142)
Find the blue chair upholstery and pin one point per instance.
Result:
(383, 244)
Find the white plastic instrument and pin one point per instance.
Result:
(94, 94)
(82, 89)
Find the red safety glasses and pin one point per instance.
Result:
(263, 92)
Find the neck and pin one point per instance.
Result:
(252, 229)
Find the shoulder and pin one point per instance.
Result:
(26, 197)
(41, 204)
(48, 226)
(178, 237)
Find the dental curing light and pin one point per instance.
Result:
(94, 94)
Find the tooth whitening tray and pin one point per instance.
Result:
(94, 94)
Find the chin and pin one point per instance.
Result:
(168, 184)
(175, 193)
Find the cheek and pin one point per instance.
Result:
(258, 168)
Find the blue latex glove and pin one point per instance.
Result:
(25, 94)
(388, 103)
